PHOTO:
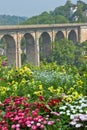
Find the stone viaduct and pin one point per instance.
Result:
(33, 34)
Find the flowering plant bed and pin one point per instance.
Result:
(49, 97)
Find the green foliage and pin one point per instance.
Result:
(44, 18)
(60, 14)
(11, 20)
(66, 52)
(63, 52)
(32, 20)
(61, 19)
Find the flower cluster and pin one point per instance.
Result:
(79, 120)
(17, 113)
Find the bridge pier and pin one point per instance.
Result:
(37, 57)
(18, 50)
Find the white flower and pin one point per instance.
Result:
(81, 111)
(74, 111)
(80, 101)
(61, 112)
(78, 125)
(71, 117)
(63, 107)
(73, 123)
(77, 107)
(83, 117)
(67, 113)
(83, 105)
(71, 107)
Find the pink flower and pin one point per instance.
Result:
(3, 63)
(34, 127)
(28, 125)
(55, 113)
(38, 124)
(18, 125)
(50, 122)
(42, 127)
(13, 126)
(17, 128)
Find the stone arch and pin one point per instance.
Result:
(72, 36)
(59, 35)
(45, 45)
(9, 48)
(29, 48)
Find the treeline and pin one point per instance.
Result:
(62, 14)
(63, 52)
(11, 20)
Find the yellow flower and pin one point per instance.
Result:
(51, 89)
(3, 90)
(70, 90)
(21, 71)
(25, 68)
(38, 93)
(61, 89)
(79, 83)
(68, 99)
(75, 95)
(29, 72)
(8, 83)
(80, 95)
(23, 81)
(40, 87)
(14, 88)
(57, 91)
(85, 57)
(13, 82)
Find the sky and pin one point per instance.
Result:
(29, 8)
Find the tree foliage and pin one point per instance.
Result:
(60, 14)
(11, 20)
(63, 52)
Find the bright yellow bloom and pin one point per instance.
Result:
(21, 71)
(38, 93)
(70, 90)
(23, 81)
(29, 72)
(40, 87)
(25, 68)
(3, 90)
(57, 91)
(79, 83)
(51, 89)
(68, 99)
(75, 95)
(61, 89)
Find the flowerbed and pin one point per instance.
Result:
(45, 98)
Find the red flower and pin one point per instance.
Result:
(54, 102)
